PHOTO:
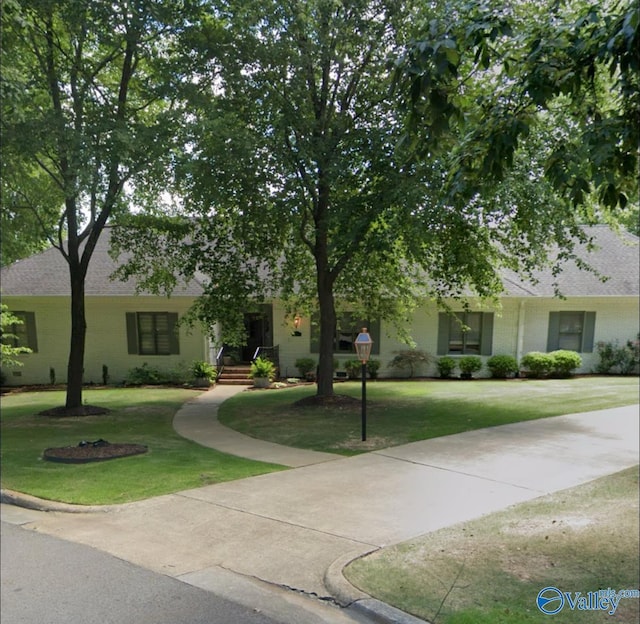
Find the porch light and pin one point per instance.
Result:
(363, 344)
(296, 321)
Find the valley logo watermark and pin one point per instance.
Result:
(551, 600)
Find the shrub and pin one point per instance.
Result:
(52, 376)
(262, 368)
(502, 366)
(411, 359)
(446, 365)
(105, 375)
(537, 364)
(564, 362)
(203, 370)
(469, 364)
(615, 358)
(353, 368)
(372, 368)
(179, 374)
(145, 375)
(305, 366)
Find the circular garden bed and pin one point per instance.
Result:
(85, 452)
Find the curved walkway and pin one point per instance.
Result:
(197, 420)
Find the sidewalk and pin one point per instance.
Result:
(296, 529)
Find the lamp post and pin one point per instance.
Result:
(363, 346)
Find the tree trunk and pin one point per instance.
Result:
(324, 283)
(75, 368)
(327, 333)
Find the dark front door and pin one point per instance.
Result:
(258, 328)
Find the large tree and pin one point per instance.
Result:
(296, 182)
(85, 117)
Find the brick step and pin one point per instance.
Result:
(234, 382)
(236, 375)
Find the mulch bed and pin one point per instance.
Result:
(85, 452)
(83, 410)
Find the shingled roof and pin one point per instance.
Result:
(616, 257)
(47, 274)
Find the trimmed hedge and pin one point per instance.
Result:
(502, 366)
(561, 363)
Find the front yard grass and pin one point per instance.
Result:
(405, 411)
(490, 570)
(139, 416)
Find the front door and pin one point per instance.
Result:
(259, 334)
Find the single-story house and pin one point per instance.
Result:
(125, 329)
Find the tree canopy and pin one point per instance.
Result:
(571, 67)
(297, 184)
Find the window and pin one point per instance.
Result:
(465, 333)
(24, 334)
(573, 331)
(152, 333)
(348, 326)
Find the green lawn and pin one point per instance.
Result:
(490, 570)
(406, 411)
(140, 416)
(398, 412)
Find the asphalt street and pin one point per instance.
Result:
(46, 580)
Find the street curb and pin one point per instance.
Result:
(348, 596)
(18, 499)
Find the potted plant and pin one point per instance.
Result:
(262, 371)
(203, 373)
(468, 365)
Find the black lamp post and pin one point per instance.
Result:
(363, 346)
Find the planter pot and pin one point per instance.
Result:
(201, 382)
(227, 360)
(261, 382)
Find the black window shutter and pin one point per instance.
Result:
(486, 346)
(32, 335)
(588, 332)
(553, 336)
(373, 328)
(132, 333)
(174, 334)
(443, 333)
(314, 333)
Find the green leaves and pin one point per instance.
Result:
(529, 65)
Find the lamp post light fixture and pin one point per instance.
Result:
(363, 346)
